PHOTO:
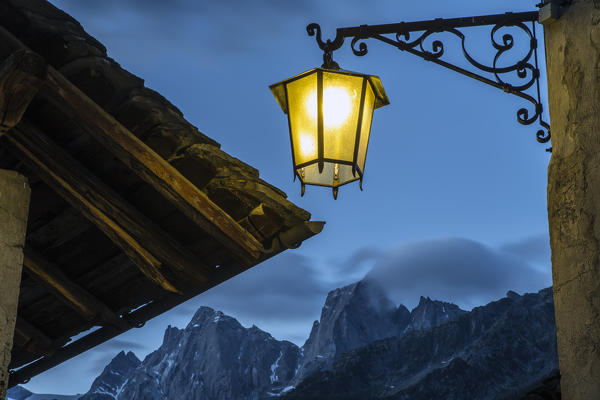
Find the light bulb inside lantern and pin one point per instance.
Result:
(337, 104)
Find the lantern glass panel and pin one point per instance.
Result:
(310, 174)
(365, 129)
(341, 105)
(341, 96)
(302, 121)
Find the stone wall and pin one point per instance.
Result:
(14, 208)
(573, 59)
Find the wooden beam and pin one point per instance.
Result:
(150, 167)
(262, 221)
(72, 294)
(156, 254)
(21, 75)
(37, 341)
(296, 234)
(141, 159)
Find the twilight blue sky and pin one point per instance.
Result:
(454, 205)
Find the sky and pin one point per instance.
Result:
(454, 200)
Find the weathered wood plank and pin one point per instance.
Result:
(21, 75)
(295, 235)
(262, 221)
(150, 167)
(37, 341)
(156, 254)
(76, 297)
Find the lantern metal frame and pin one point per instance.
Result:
(380, 100)
(526, 68)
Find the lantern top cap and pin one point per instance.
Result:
(381, 98)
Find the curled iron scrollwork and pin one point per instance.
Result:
(315, 30)
(514, 77)
(523, 73)
(362, 46)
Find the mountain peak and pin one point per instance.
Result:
(110, 382)
(206, 316)
(128, 357)
(431, 313)
(215, 357)
(202, 314)
(352, 316)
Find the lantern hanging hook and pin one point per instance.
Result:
(327, 46)
(328, 62)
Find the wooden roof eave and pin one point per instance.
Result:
(141, 159)
(292, 238)
(234, 245)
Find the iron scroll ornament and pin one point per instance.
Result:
(524, 73)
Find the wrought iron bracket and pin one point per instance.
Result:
(519, 78)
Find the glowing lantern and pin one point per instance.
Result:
(329, 113)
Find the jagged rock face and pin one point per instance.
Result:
(109, 384)
(431, 313)
(490, 353)
(351, 317)
(214, 357)
(359, 314)
(368, 349)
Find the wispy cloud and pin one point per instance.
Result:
(535, 249)
(458, 270)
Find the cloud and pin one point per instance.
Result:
(124, 345)
(359, 260)
(535, 249)
(97, 358)
(156, 8)
(206, 28)
(458, 270)
(343, 271)
(282, 296)
(99, 361)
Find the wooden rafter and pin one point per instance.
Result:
(138, 317)
(72, 294)
(146, 163)
(21, 75)
(37, 341)
(155, 253)
(150, 167)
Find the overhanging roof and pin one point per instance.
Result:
(133, 210)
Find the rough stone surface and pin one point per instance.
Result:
(14, 207)
(573, 58)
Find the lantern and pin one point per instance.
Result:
(329, 115)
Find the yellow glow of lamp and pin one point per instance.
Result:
(329, 115)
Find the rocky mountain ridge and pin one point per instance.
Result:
(362, 345)
(361, 313)
(493, 352)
